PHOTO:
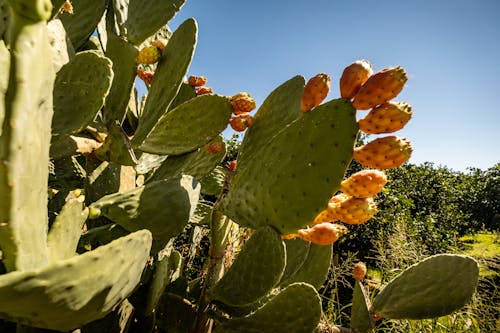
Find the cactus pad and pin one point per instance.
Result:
(361, 319)
(431, 288)
(164, 207)
(314, 269)
(287, 182)
(257, 276)
(296, 308)
(79, 92)
(168, 77)
(204, 118)
(67, 294)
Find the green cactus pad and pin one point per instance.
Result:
(361, 319)
(4, 19)
(164, 207)
(79, 92)
(258, 267)
(168, 77)
(204, 118)
(296, 309)
(278, 110)
(82, 22)
(202, 213)
(296, 253)
(141, 19)
(186, 92)
(289, 181)
(314, 269)
(62, 50)
(117, 147)
(24, 152)
(163, 272)
(434, 287)
(66, 230)
(197, 164)
(123, 55)
(213, 183)
(32, 10)
(67, 294)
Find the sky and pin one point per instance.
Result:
(449, 48)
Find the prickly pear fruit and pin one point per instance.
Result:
(203, 91)
(387, 117)
(159, 43)
(380, 87)
(148, 55)
(352, 210)
(67, 7)
(215, 147)
(359, 270)
(353, 77)
(146, 76)
(289, 236)
(243, 102)
(315, 91)
(231, 166)
(322, 234)
(384, 153)
(197, 81)
(364, 183)
(241, 122)
(324, 216)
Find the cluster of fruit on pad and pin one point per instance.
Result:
(149, 55)
(354, 204)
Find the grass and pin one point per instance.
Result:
(485, 247)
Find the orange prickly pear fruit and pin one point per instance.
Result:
(215, 147)
(380, 87)
(203, 91)
(353, 77)
(359, 270)
(387, 117)
(197, 81)
(353, 210)
(324, 216)
(67, 7)
(241, 122)
(384, 153)
(364, 184)
(322, 234)
(146, 76)
(289, 236)
(315, 91)
(243, 102)
(148, 55)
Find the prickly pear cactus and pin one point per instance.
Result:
(109, 198)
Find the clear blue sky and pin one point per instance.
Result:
(450, 49)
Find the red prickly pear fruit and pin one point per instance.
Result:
(215, 147)
(315, 91)
(146, 76)
(380, 87)
(241, 122)
(159, 43)
(231, 166)
(384, 153)
(197, 81)
(148, 55)
(242, 103)
(387, 117)
(322, 234)
(203, 91)
(353, 77)
(353, 210)
(364, 184)
(359, 270)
